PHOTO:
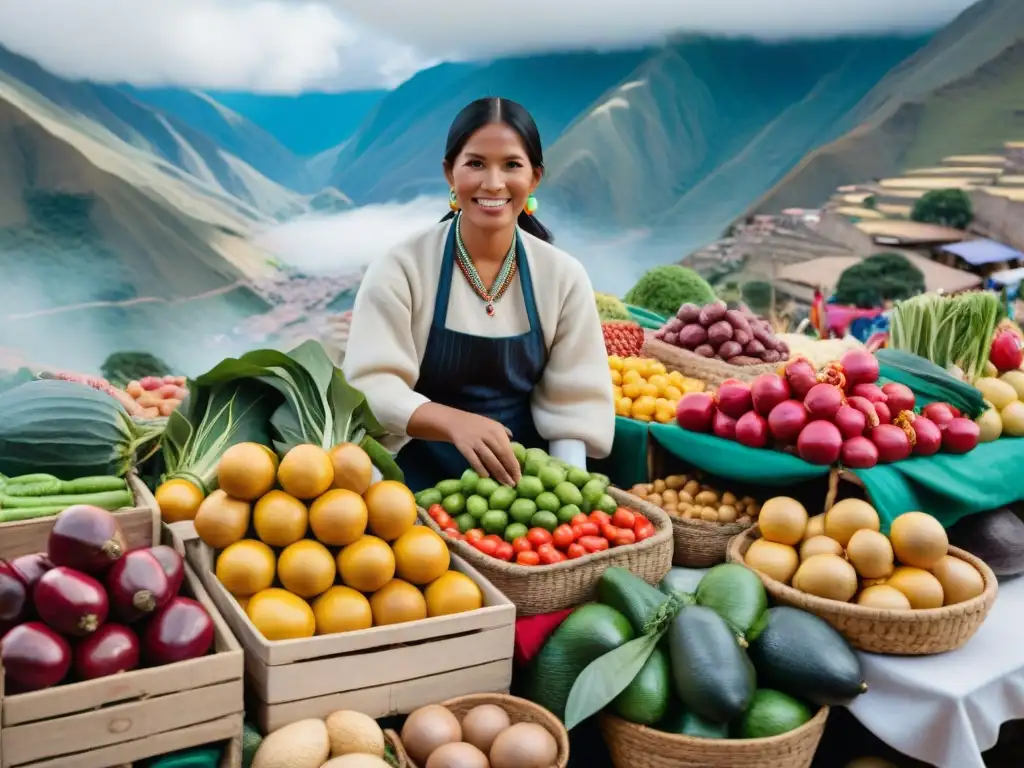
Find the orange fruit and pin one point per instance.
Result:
(420, 555)
(279, 519)
(306, 568)
(342, 609)
(246, 471)
(353, 469)
(391, 509)
(280, 615)
(397, 602)
(245, 567)
(338, 518)
(452, 592)
(367, 564)
(306, 471)
(178, 500)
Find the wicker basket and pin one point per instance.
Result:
(899, 633)
(707, 369)
(549, 588)
(700, 544)
(635, 746)
(519, 711)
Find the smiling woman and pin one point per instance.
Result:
(478, 331)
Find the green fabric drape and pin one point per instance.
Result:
(627, 464)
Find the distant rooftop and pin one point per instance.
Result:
(909, 232)
(859, 212)
(979, 252)
(825, 272)
(952, 181)
(946, 171)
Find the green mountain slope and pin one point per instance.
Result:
(961, 94)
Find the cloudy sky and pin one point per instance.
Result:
(290, 46)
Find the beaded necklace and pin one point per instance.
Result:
(501, 282)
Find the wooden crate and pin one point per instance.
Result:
(380, 671)
(129, 717)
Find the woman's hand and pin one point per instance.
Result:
(485, 443)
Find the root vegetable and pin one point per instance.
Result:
(927, 436)
(723, 426)
(695, 411)
(859, 367)
(800, 376)
(859, 453)
(892, 443)
(34, 657)
(870, 392)
(850, 421)
(137, 585)
(112, 649)
(767, 391)
(961, 435)
(71, 602)
(705, 350)
(901, 397)
(730, 349)
(823, 401)
(752, 430)
(689, 313)
(181, 630)
(787, 420)
(883, 413)
(87, 539)
(692, 336)
(866, 407)
(712, 313)
(940, 413)
(734, 398)
(820, 443)
(753, 348)
(719, 333)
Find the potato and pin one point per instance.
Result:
(675, 482)
(654, 498)
(705, 350)
(670, 509)
(719, 333)
(638, 490)
(729, 498)
(713, 313)
(754, 510)
(706, 498)
(744, 360)
(659, 486)
(744, 519)
(671, 337)
(727, 514)
(709, 515)
(747, 501)
(731, 350)
(688, 313)
(692, 336)
(692, 487)
(741, 336)
(684, 497)
(737, 320)
(753, 349)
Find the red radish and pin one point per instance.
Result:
(860, 367)
(137, 585)
(801, 376)
(892, 443)
(954, 410)
(859, 453)
(1006, 353)
(29, 568)
(111, 649)
(927, 436)
(961, 436)
(723, 426)
(883, 413)
(823, 401)
(939, 413)
(34, 657)
(181, 630)
(734, 398)
(695, 411)
(767, 391)
(820, 443)
(172, 564)
(87, 539)
(851, 422)
(866, 407)
(13, 596)
(70, 601)
(752, 430)
(871, 392)
(786, 421)
(901, 397)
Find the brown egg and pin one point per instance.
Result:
(524, 745)
(482, 724)
(458, 754)
(428, 728)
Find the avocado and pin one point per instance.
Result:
(771, 713)
(646, 699)
(801, 654)
(679, 720)
(591, 631)
(681, 580)
(712, 675)
(736, 594)
(629, 594)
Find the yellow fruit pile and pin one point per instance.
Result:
(312, 546)
(646, 391)
(842, 555)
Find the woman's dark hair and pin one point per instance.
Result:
(483, 112)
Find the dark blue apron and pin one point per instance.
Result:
(486, 376)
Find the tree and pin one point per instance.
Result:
(883, 276)
(122, 367)
(758, 295)
(946, 207)
(665, 289)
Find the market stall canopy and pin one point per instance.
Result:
(909, 233)
(1008, 276)
(979, 252)
(824, 272)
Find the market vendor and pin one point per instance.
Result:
(478, 331)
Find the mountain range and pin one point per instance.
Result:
(121, 207)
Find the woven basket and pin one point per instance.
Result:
(635, 746)
(548, 588)
(707, 369)
(519, 711)
(898, 633)
(700, 544)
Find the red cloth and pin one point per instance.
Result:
(533, 631)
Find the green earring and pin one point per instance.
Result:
(453, 201)
(531, 205)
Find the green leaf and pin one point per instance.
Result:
(607, 677)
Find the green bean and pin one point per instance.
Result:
(106, 500)
(28, 513)
(80, 486)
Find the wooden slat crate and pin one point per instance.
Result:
(380, 671)
(136, 715)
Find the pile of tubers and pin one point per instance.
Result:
(687, 497)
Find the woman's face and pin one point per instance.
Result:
(492, 177)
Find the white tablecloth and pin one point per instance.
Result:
(947, 709)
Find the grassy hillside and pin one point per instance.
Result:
(960, 94)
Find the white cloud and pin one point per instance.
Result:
(287, 46)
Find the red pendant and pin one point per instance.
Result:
(489, 309)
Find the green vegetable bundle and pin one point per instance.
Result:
(40, 495)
